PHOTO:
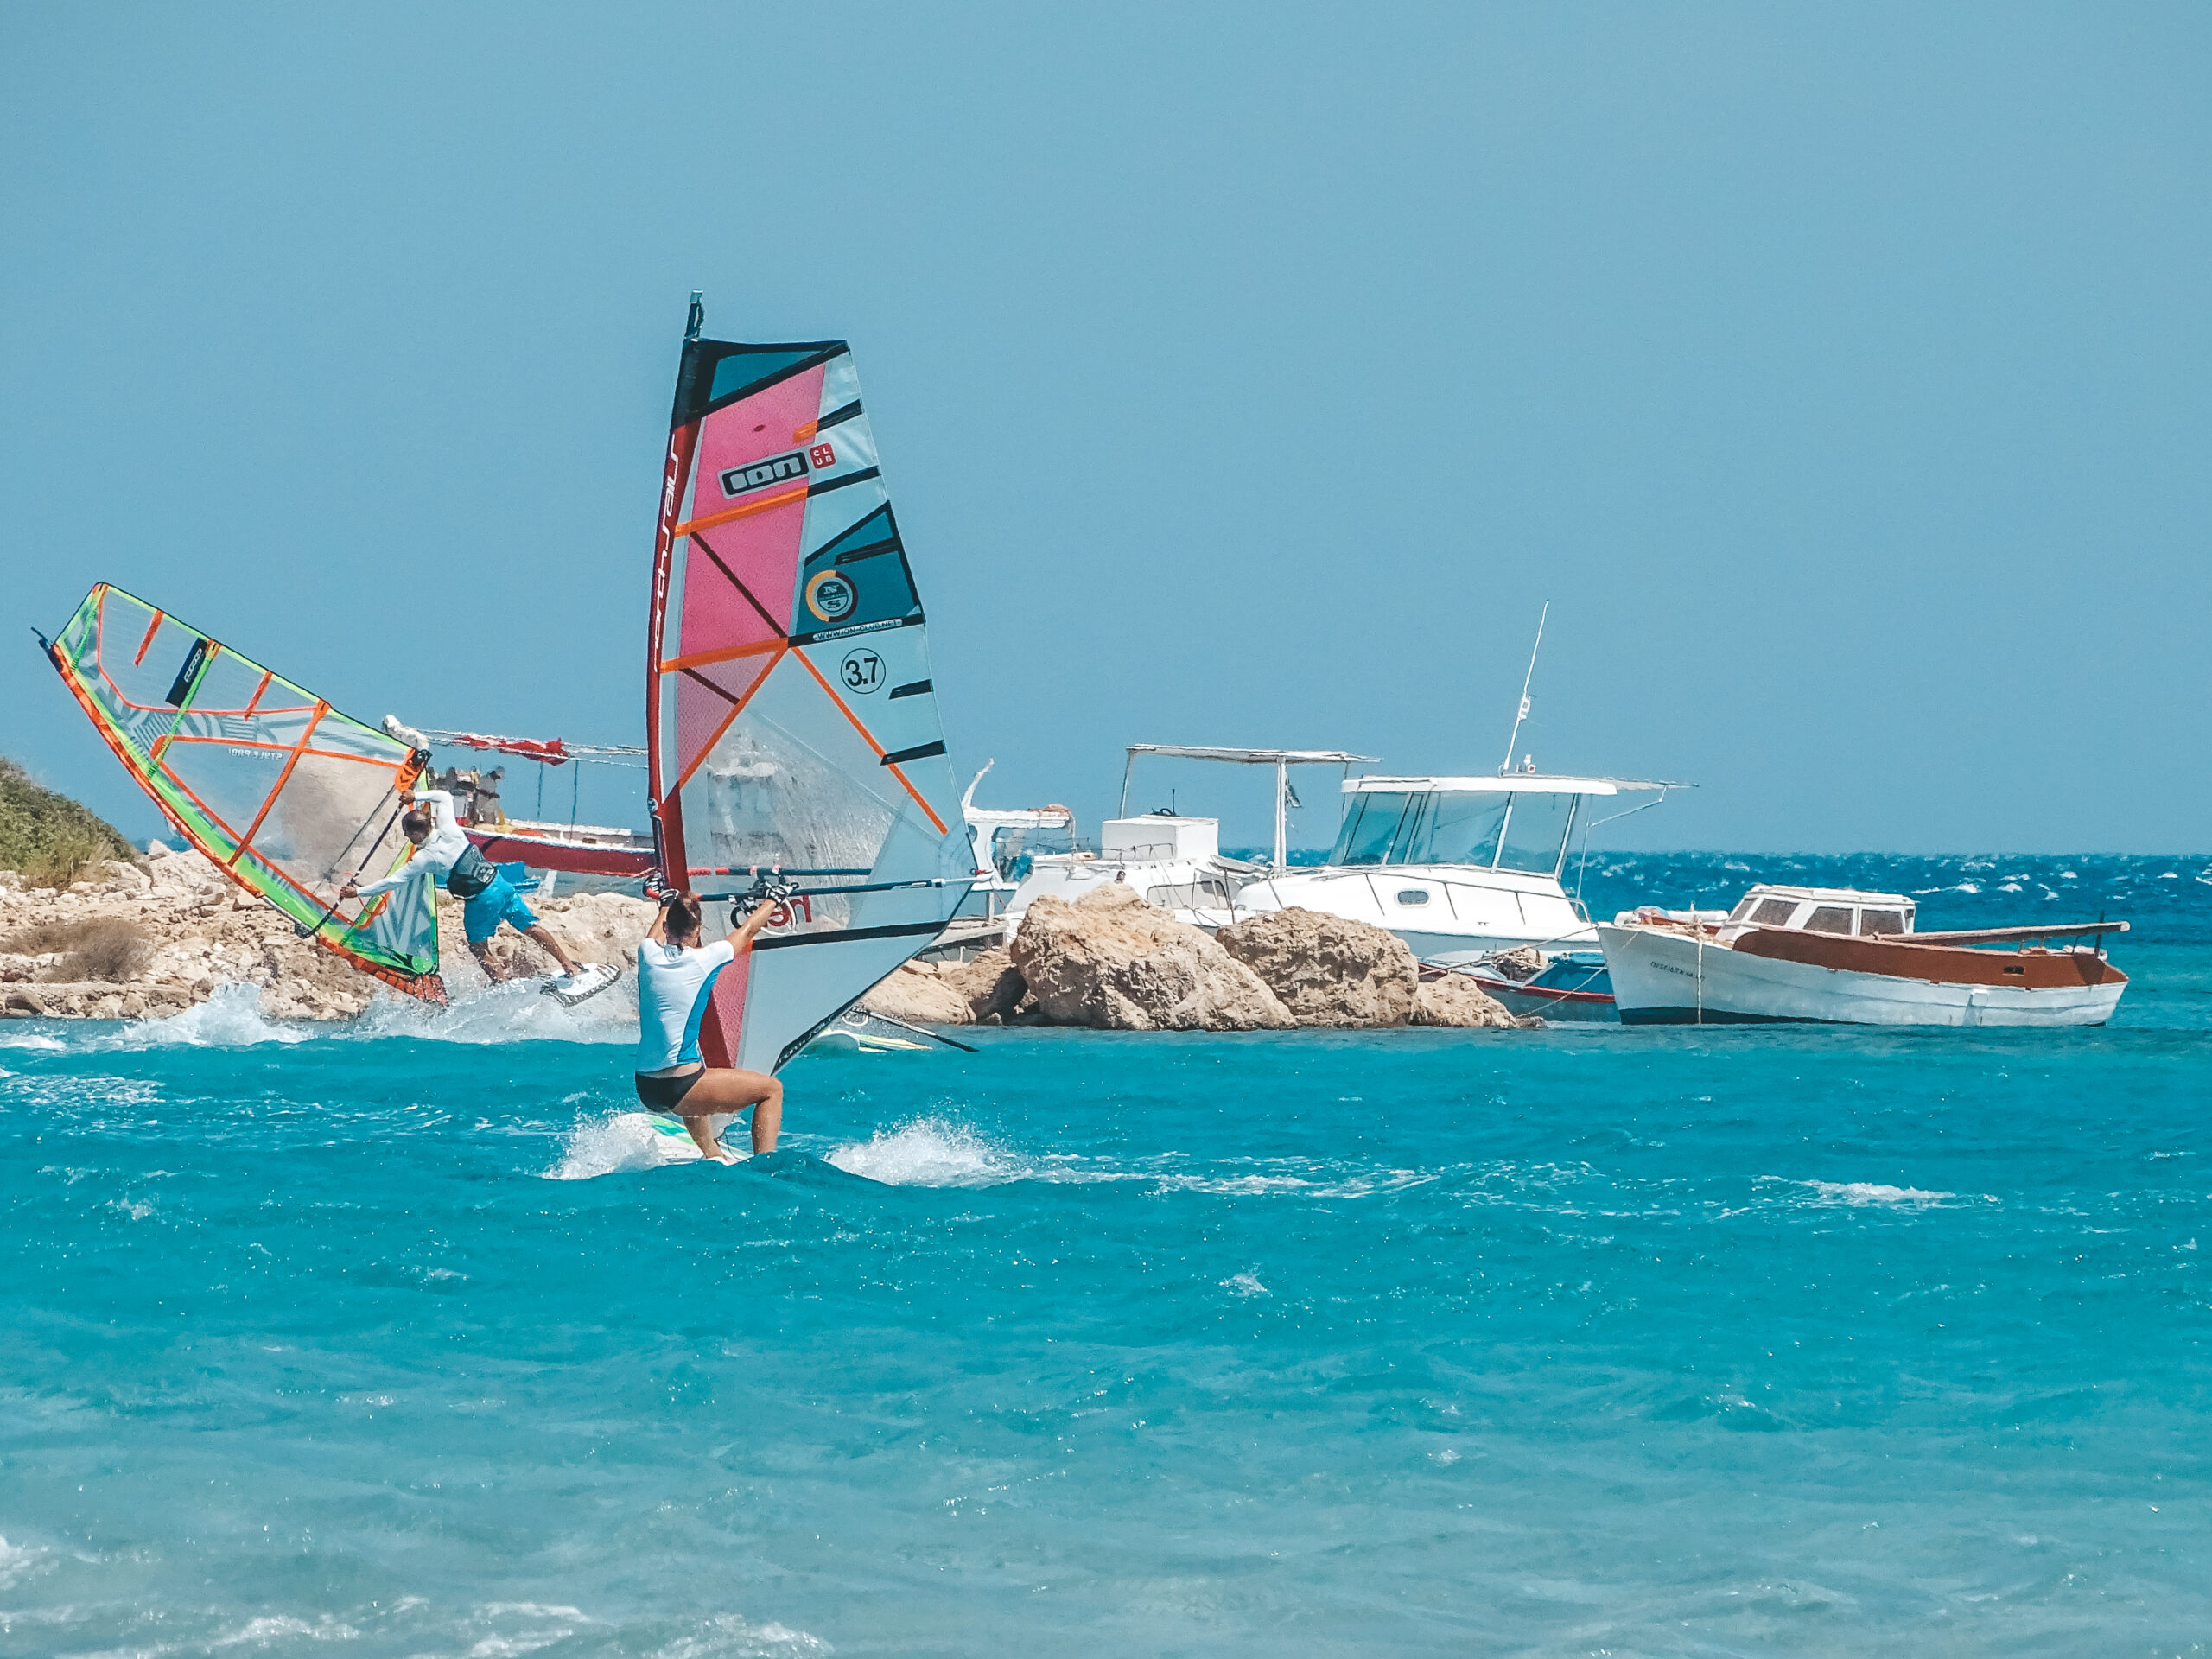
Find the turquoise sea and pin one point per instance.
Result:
(1734, 1341)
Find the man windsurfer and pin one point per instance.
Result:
(442, 850)
(676, 975)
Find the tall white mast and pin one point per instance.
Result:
(1521, 714)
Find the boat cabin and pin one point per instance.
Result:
(1517, 821)
(1819, 910)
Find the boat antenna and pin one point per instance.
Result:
(1521, 714)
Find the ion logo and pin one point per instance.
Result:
(830, 595)
(861, 671)
(758, 474)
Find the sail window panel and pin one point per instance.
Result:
(1461, 828)
(1829, 918)
(1371, 828)
(333, 817)
(1775, 913)
(1535, 833)
(790, 782)
(1881, 921)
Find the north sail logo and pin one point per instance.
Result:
(759, 475)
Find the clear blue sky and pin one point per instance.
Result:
(1242, 375)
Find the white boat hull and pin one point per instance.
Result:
(1449, 914)
(1661, 977)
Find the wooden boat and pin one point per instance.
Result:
(1839, 956)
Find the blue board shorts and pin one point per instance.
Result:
(480, 917)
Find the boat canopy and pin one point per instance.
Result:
(1253, 757)
(1281, 759)
(1510, 783)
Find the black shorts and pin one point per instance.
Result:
(666, 1094)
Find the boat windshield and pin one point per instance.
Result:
(1535, 833)
(1456, 826)
(1015, 846)
(1371, 827)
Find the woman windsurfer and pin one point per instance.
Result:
(676, 975)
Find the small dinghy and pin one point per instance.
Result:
(1569, 986)
(1840, 956)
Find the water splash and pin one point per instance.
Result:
(231, 1017)
(622, 1142)
(930, 1152)
(515, 1012)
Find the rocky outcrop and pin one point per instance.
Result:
(917, 994)
(1114, 963)
(982, 991)
(202, 932)
(1455, 1000)
(992, 986)
(1328, 970)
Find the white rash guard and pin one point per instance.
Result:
(435, 856)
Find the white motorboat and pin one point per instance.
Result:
(1006, 843)
(1172, 860)
(1839, 955)
(1460, 869)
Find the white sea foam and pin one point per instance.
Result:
(37, 1040)
(269, 1628)
(19, 1561)
(625, 1140)
(231, 1017)
(1861, 1194)
(929, 1151)
(519, 1010)
(1245, 1284)
(728, 1636)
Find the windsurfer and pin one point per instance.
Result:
(676, 975)
(442, 849)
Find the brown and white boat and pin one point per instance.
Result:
(1839, 956)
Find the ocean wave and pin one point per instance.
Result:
(231, 1017)
(937, 1152)
(516, 1012)
(1862, 1194)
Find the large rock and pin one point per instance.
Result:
(990, 983)
(599, 926)
(1455, 1000)
(1112, 962)
(914, 993)
(1328, 970)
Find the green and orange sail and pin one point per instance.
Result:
(285, 794)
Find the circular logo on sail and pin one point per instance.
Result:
(861, 671)
(830, 595)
